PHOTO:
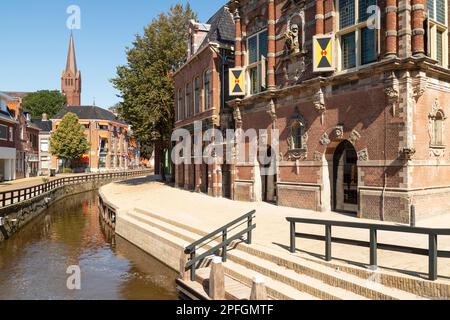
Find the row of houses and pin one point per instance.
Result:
(359, 91)
(25, 143)
(19, 140)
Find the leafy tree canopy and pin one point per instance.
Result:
(44, 101)
(146, 83)
(68, 142)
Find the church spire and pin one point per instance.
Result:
(71, 64)
(71, 77)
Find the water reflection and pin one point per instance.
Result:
(33, 263)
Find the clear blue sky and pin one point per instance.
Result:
(34, 40)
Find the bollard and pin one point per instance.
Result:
(413, 216)
(217, 280)
(259, 291)
(183, 261)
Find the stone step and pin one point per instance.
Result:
(322, 277)
(234, 290)
(367, 287)
(276, 289)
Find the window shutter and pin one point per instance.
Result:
(263, 72)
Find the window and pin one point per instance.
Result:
(102, 162)
(180, 105)
(297, 134)
(44, 145)
(196, 95)
(11, 134)
(45, 162)
(437, 31)
(358, 42)
(187, 106)
(438, 130)
(3, 133)
(257, 61)
(207, 90)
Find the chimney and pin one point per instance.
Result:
(44, 117)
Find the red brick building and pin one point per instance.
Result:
(201, 86)
(367, 137)
(26, 138)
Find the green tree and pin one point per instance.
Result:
(145, 83)
(68, 142)
(44, 101)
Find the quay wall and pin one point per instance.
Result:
(16, 216)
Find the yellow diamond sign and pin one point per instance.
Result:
(323, 53)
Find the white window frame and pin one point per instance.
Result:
(47, 142)
(11, 134)
(357, 29)
(260, 65)
(434, 27)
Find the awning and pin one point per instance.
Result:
(103, 123)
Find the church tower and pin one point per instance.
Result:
(71, 77)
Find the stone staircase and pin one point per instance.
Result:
(288, 277)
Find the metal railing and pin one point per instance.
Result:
(432, 252)
(12, 197)
(223, 233)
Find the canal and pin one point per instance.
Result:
(34, 262)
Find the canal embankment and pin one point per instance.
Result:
(20, 206)
(162, 221)
(34, 262)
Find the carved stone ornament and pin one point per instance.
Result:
(325, 139)
(407, 153)
(392, 92)
(419, 85)
(318, 156)
(295, 33)
(319, 101)
(237, 116)
(272, 111)
(297, 154)
(354, 137)
(339, 132)
(363, 155)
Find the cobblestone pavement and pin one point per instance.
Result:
(272, 232)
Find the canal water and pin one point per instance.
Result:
(34, 262)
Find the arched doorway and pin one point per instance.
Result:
(268, 172)
(345, 178)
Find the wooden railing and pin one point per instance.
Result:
(12, 197)
(432, 252)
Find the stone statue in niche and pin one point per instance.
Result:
(292, 44)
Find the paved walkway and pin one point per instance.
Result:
(272, 232)
(35, 181)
